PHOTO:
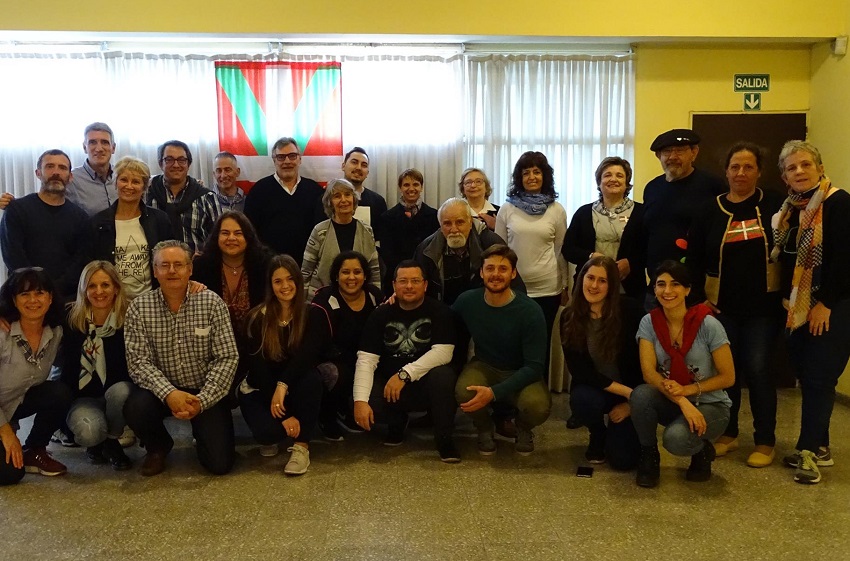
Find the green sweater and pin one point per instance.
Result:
(510, 337)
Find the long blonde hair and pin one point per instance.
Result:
(80, 309)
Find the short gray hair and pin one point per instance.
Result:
(166, 244)
(285, 141)
(102, 127)
(794, 146)
(335, 185)
(453, 201)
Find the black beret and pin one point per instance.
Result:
(675, 137)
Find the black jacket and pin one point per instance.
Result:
(116, 362)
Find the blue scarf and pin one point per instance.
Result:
(534, 204)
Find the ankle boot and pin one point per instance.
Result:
(649, 466)
(700, 468)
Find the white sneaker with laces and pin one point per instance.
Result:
(299, 461)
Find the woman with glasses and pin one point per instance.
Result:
(598, 333)
(533, 224)
(686, 364)
(811, 233)
(612, 226)
(729, 253)
(27, 351)
(287, 340)
(94, 365)
(125, 233)
(341, 232)
(475, 188)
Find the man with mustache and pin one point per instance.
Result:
(451, 256)
(674, 199)
(44, 229)
(509, 332)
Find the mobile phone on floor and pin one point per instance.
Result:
(584, 471)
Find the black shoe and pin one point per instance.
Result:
(331, 430)
(595, 453)
(114, 452)
(448, 451)
(395, 433)
(347, 423)
(573, 422)
(649, 467)
(700, 468)
(95, 454)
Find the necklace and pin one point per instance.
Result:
(233, 270)
(675, 338)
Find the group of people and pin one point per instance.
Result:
(321, 311)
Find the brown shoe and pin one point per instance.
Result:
(154, 464)
(38, 460)
(506, 428)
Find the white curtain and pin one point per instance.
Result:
(575, 109)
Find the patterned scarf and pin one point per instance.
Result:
(694, 317)
(808, 267)
(92, 358)
(600, 207)
(534, 204)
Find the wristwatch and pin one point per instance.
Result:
(403, 375)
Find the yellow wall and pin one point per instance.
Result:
(673, 82)
(580, 18)
(829, 127)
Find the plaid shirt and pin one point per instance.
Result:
(192, 349)
(198, 222)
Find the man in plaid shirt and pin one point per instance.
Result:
(182, 355)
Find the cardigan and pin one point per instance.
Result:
(114, 353)
(322, 248)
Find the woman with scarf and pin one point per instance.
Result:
(686, 364)
(811, 233)
(611, 226)
(475, 188)
(729, 253)
(94, 364)
(533, 224)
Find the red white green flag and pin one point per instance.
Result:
(259, 102)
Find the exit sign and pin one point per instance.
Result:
(752, 82)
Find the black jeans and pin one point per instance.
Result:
(212, 429)
(49, 401)
(433, 392)
(302, 402)
(818, 362)
(589, 405)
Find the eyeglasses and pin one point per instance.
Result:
(471, 182)
(412, 282)
(169, 161)
(678, 150)
(292, 156)
(166, 267)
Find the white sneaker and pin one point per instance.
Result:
(298, 462)
(127, 438)
(269, 450)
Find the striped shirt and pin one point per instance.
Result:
(192, 349)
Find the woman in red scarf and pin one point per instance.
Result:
(686, 363)
(811, 233)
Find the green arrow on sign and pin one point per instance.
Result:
(752, 102)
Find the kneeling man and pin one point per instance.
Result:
(182, 355)
(509, 334)
(403, 363)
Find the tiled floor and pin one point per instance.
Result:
(361, 500)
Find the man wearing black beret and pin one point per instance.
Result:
(674, 199)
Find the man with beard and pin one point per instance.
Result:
(226, 171)
(403, 363)
(509, 333)
(451, 256)
(371, 205)
(673, 200)
(192, 208)
(44, 229)
(284, 206)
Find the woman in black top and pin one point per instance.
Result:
(348, 301)
(729, 254)
(287, 339)
(598, 333)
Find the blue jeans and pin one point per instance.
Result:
(650, 408)
(589, 405)
(94, 419)
(818, 362)
(750, 339)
